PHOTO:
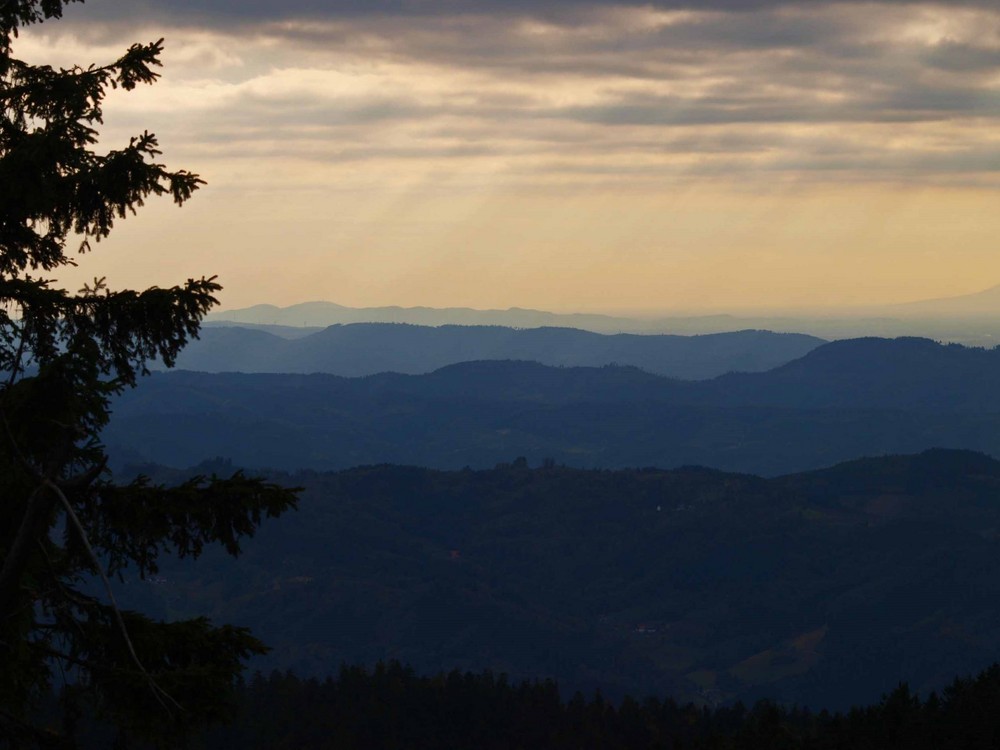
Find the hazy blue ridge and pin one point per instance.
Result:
(972, 319)
(841, 400)
(368, 348)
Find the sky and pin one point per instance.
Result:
(713, 156)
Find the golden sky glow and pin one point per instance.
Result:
(565, 156)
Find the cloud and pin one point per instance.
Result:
(254, 11)
(507, 90)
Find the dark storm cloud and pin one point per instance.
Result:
(963, 58)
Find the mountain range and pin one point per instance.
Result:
(839, 401)
(986, 302)
(368, 348)
(324, 314)
(972, 319)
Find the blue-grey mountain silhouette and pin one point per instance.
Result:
(841, 400)
(368, 348)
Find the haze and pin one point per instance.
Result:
(710, 156)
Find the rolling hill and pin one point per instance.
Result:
(841, 400)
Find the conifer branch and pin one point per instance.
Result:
(158, 692)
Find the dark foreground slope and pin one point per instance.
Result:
(844, 399)
(824, 588)
(368, 348)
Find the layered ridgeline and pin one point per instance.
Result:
(969, 319)
(368, 348)
(324, 314)
(839, 401)
(824, 588)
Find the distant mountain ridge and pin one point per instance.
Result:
(986, 302)
(367, 348)
(329, 313)
(839, 401)
(971, 319)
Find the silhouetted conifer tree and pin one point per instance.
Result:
(62, 356)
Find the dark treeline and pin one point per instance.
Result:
(393, 707)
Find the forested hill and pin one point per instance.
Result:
(841, 400)
(368, 348)
(825, 588)
(901, 373)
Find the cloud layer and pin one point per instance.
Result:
(558, 96)
(561, 90)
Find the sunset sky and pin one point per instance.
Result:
(601, 156)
